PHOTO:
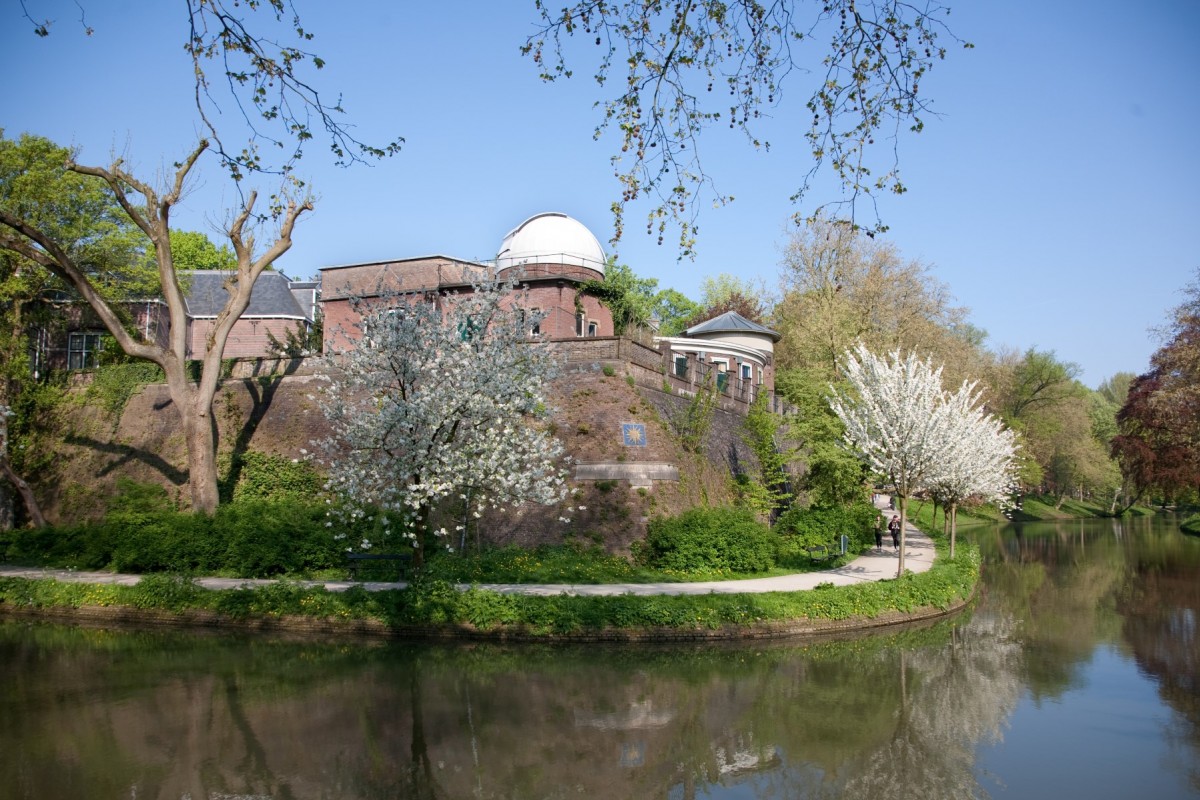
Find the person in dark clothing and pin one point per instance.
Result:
(894, 527)
(878, 532)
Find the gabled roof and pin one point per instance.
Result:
(271, 297)
(731, 322)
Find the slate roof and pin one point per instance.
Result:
(272, 295)
(731, 322)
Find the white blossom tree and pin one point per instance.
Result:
(893, 417)
(975, 456)
(438, 403)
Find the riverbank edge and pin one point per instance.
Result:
(297, 625)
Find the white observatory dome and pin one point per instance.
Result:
(551, 238)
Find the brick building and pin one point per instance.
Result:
(74, 338)
(551, 255)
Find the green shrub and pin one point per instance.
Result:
(252, 539)
(165, 541)
(801, 528)
(262, 538)
(608, 370)
(709, 539)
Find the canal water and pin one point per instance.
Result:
(1075, 675)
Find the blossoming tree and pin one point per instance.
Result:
(438, 403)
(893, 416)
(976, 456)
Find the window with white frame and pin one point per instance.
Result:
(84, 349)
(580, 323)
(746, 371)
(593, 328)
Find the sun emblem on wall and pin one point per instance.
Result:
(633, 434)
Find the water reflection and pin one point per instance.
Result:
(95, 713)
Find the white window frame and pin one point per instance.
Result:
(84, 349)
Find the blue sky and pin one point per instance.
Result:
(1056, 196)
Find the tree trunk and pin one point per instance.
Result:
(903, 521)
(194, 404)
(422, 531)
(953, 526)
(31, 504)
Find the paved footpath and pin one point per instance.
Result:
(875, 565)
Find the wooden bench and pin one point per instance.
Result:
(356, 560)
(818, 552)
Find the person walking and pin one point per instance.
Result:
(894, 528)
(878, 533)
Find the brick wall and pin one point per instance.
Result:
(248, 339)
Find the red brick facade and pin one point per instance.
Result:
(550, 289)
(248, 339)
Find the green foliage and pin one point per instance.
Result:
(79, 214)
(608, 370)
(142, 534)
(633, 301)
(673, 310)
(693, 422)
(32, 430)
(167, 592)
(265, 476)
(801, 528)
(628, 297)
(575, 562)
(709, 540)
(1191, 525)
(192, 250)
(760, 431)
(132, 497)
(835, 476)
(113, 384)
(263, 538)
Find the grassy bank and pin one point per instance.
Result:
(1033, 508)
(431, 602)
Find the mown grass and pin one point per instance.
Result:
(435, 601)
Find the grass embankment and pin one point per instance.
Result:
(435, 602)
(1034, 508)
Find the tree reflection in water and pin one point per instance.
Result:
(167, 715)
